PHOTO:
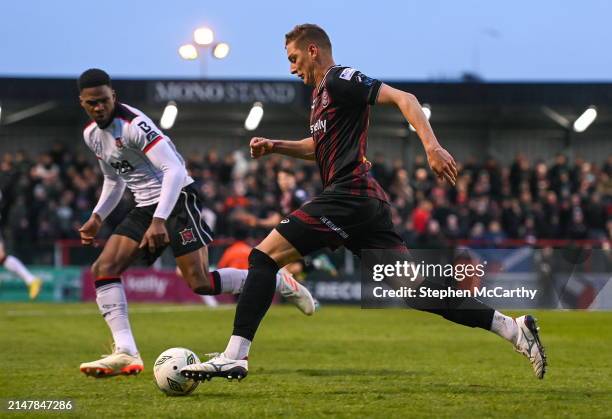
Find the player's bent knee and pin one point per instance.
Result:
(102, 268)
(259, 259)
(280, 251)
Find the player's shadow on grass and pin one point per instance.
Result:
(312, 372)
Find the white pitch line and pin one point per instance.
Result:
(135, 310)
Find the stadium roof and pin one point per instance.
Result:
(219, 107)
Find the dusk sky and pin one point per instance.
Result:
(394, 40)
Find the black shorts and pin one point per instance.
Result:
(355, 222)
(186, 228)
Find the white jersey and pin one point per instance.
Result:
(123, 146)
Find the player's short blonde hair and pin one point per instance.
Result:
(308, 33)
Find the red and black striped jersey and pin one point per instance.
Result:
(339, 120)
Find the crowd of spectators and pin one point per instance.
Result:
(48, 196)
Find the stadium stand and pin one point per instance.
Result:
(47, 196)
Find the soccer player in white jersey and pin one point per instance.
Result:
(133, 152)
(14, 265)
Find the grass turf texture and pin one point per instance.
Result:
(342, 362)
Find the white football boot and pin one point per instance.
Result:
(217, 366)
(529, 344)
(295, 293)
(117, 363)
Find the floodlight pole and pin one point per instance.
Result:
(203, 61)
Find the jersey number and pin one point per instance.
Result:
(151, 133)
(122, 167)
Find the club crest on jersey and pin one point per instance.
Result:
(187, 236)
(324, 99)
(118, 143)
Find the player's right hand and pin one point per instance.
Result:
(89, 230)
(260, 147)
(156, 235)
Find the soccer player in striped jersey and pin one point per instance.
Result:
(134, 153)
(353, 210)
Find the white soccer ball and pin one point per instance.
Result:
(167, 371)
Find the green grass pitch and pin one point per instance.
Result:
(342, 362)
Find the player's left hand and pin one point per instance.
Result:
(155, 236)
(443, 164)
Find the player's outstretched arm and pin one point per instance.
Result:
(440, 160)
(301, 149)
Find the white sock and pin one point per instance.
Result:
(237, 348)
(505, 327)
(232, 280)
(113, 307)
(14, 265)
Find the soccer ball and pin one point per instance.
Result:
(167, 371)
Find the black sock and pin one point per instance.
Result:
(468, 311)
(257, 294)
(214, 288)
